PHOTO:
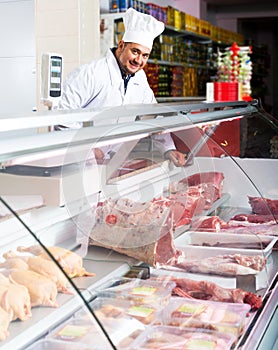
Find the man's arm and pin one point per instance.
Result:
(165, 145)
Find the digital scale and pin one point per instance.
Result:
(51, 79)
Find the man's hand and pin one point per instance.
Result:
(98, 154)
(176, 157)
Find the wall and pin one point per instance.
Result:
(30, 27)
(17, 57)
(69, 27)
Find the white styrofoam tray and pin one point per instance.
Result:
(199, 241)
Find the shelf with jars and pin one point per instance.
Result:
(183, 57)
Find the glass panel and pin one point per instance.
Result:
(102, 205)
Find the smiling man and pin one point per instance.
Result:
(118, 78)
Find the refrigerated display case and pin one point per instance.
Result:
(72, 222)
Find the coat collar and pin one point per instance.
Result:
(116, 73)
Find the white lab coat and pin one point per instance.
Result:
(100, 84)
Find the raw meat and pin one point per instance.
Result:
(124, 223)
(224, 265)
(13, 263)
(138, 229)
(240, 223)
(124, 226)
(15, 299)
(242, 219)
(262, 229)
(40, 265)
(71, 262)
(213, 177)
(263, 206)
(184, 207)
(4, 324)
(207, 223)
(159, 251)
(42, 290)
(51, 270)
(206, 290)
(206, 186)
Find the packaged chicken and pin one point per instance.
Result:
(110, 310)
(80, 332)
(219, 316)
(156, 293)
(174, 338)
(121, 319)
(46, 344)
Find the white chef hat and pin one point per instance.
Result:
(141, 28)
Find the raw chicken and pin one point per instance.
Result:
(15, 299)
(51, 270)
(40, 265)
(4, 324)
(71, 262)
(42, 290)
(13, 263)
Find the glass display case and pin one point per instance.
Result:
(101, 233)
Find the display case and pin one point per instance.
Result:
(102, 206)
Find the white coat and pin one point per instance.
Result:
(100, 84)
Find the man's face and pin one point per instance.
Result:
(132, 57)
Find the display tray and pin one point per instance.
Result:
(227, 243)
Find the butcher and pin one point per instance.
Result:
(119, 79)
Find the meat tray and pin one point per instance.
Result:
(81, 332)
(227, 243)
(175, 338)
(46, 344)
(206, 314)
(138, 291)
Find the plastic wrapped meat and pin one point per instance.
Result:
(140, 230)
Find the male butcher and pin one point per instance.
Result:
(119, 79)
